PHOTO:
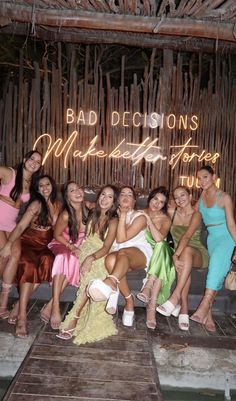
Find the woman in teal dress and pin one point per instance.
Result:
(161, 271)
(216, 208)
(88, 321)
(193, 254)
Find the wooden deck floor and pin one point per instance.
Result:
(120, 368)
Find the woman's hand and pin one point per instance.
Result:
(74, 249)
(87, 264)
(6, 250)
(178, 264)
(123, 210)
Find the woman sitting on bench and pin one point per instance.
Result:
(189, 253)
(161, 271)
(131, 252)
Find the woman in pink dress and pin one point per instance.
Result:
(14, 190)
(35, 229)
(68, 234)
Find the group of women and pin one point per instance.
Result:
(69, 244)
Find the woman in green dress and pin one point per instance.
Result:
(88, 321)
(188, 254)
(161, 271)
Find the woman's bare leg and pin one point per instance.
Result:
(151, 307)
(190, 257)
(53, 307)
(8, 270)
(203, 311)
(66, 333)
(15, 310)
(26, 290)
(118, 264)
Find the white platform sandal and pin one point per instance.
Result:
(100, 291)
(128, 315)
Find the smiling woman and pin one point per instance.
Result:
(35, 230)
(14, 191)
(88, 321)
(69, 233)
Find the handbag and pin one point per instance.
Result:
(230, 281)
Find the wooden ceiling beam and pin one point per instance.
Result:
(85, 36)
(62, 18)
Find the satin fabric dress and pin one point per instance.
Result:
(161, 266)
(177, 231)
(94, 323)
(220, 244)
(66, 263)
(35, 265)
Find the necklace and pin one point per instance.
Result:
(27, 180)
(185, 214)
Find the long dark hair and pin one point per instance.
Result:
(44, 216)
(18, 187)
(160, 190)
(93, 221)
(72, 221)
(207, 168)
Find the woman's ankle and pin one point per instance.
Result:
(174, 299)
(111, 283)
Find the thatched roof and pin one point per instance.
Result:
(196, 25)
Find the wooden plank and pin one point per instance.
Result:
(79, 388)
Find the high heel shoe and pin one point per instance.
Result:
(128, 315)
(168, 309)
(196, 317)
(100, 291)
(112, 302)
(144, 294)
(45, 318)
(183, 321)
(151, 317)
(67, 334)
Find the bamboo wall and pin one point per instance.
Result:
(36, 106)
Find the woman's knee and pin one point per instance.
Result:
(187, 253)
(110, 261)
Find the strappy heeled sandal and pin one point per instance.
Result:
(45, 318)
(12, 319)
(128, 315)
(67, 334)
(208, 298)
(145, 296)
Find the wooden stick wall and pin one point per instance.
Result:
(37, 105)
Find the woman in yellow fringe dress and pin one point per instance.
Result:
(88, 321)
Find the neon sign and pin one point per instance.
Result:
(147, 150)
(136, 119)
(192, 181)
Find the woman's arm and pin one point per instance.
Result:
(31, 212)
(160, 229)
(5, 174)
(229, 213)
(107, 244)
(126, 232)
